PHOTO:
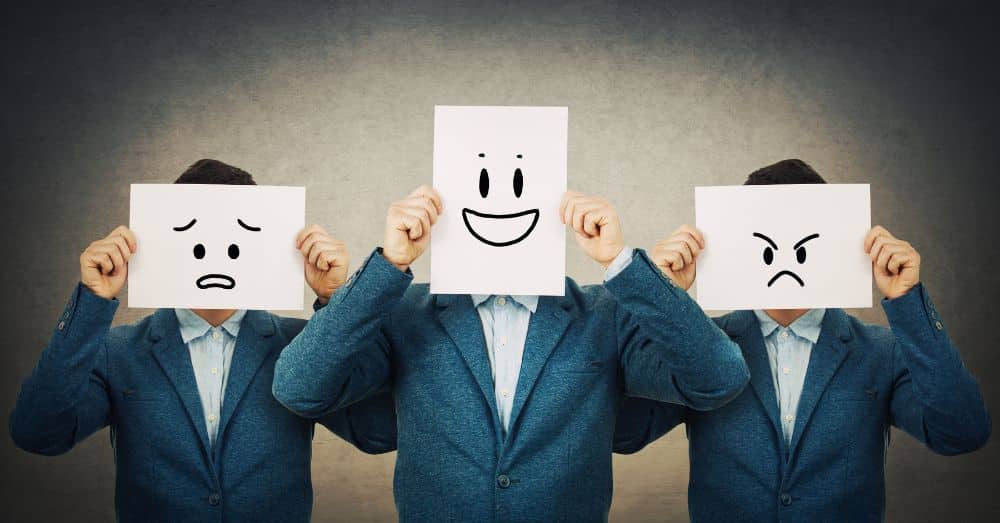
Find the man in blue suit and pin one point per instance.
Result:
(196, 431)
(807, 441)
(506, 404)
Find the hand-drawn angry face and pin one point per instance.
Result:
(214, 280)
(503, 229)
(799, 248)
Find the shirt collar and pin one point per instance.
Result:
(529, 302)
(193, 326)
(807, 326)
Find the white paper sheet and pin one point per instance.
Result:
(501, 173)
(254, 269)
(742, 224)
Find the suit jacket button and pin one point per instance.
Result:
(786, 498)
(61, 326)
(214, 498)
(503, 481)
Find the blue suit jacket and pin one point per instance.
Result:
(138, 379)
(861, 380)
(636, 334)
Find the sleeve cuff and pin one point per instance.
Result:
(620, 262)
(913, 312)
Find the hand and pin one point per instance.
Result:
(104, 264)
(326, 261)
(408, 226)
(676, 255)
(595, 222)
(895, 263)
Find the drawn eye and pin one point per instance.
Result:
(800, 254)
(484, 183)
(768, 255)
(199, 251)
(518, 182)
(234, 251)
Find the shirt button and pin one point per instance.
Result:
(786, 499)
(216, 335)
(503, 481)
(214, 498)
(786, 370)
(211, 417)
(784, 334)
(216, 371)
(789, 417)
(505, 393)
(501, 301)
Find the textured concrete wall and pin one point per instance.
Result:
(339, 97)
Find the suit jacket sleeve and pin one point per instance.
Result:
(369, 425)
(670, 350)
(342, 354)
(641, 421)
(65, 399)
(935, 398)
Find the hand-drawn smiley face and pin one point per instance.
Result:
(800, 256)
(215, 280)
(500, 230)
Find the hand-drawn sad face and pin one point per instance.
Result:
(800, 256)
(500, 230)
(199, 251)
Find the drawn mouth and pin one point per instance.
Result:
(220, 281)
(500, 230)
(787, 273)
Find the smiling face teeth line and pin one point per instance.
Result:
(500, 230)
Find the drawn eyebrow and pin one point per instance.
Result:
(807, 238)
(247, 227)
(183, 228)
(768, 240)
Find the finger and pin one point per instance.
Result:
(101, 261)
(322, 249)
(691, 242)
(422, 211)
(694, 233)
(315, 250)
(682, 248)
(122, 245)
(875, 232)
(581, 209)
(307, 244)
(410, 225)
(568, 199)
(127, 235)
(331, 259)
(427, 192)
(883, 258)
(306, 232)
(876, 247)
(898, 260)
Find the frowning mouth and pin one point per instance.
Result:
(220, 281)
(500, 230)
(787, 273)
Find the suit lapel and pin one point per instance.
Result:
(174, 359)
(751, 342)
(826, 357)
(462, 322)
(546, 328)
(253, 344)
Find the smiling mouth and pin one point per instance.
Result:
(500, 230)
(787, 273)
(220, 281)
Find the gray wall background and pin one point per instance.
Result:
(339, 97)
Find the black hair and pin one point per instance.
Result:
(792, 171)
(215, 172)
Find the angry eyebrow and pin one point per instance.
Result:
(807, 238)
(768, 240)
(183, 228)
(247, 227)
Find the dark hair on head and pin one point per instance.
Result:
(793, 171)
(215, 172)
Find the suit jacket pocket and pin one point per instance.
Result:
(577, 367)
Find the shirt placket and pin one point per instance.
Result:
(216, 371)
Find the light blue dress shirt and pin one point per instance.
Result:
(505, 327)
(211, 350)
(788, 351)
